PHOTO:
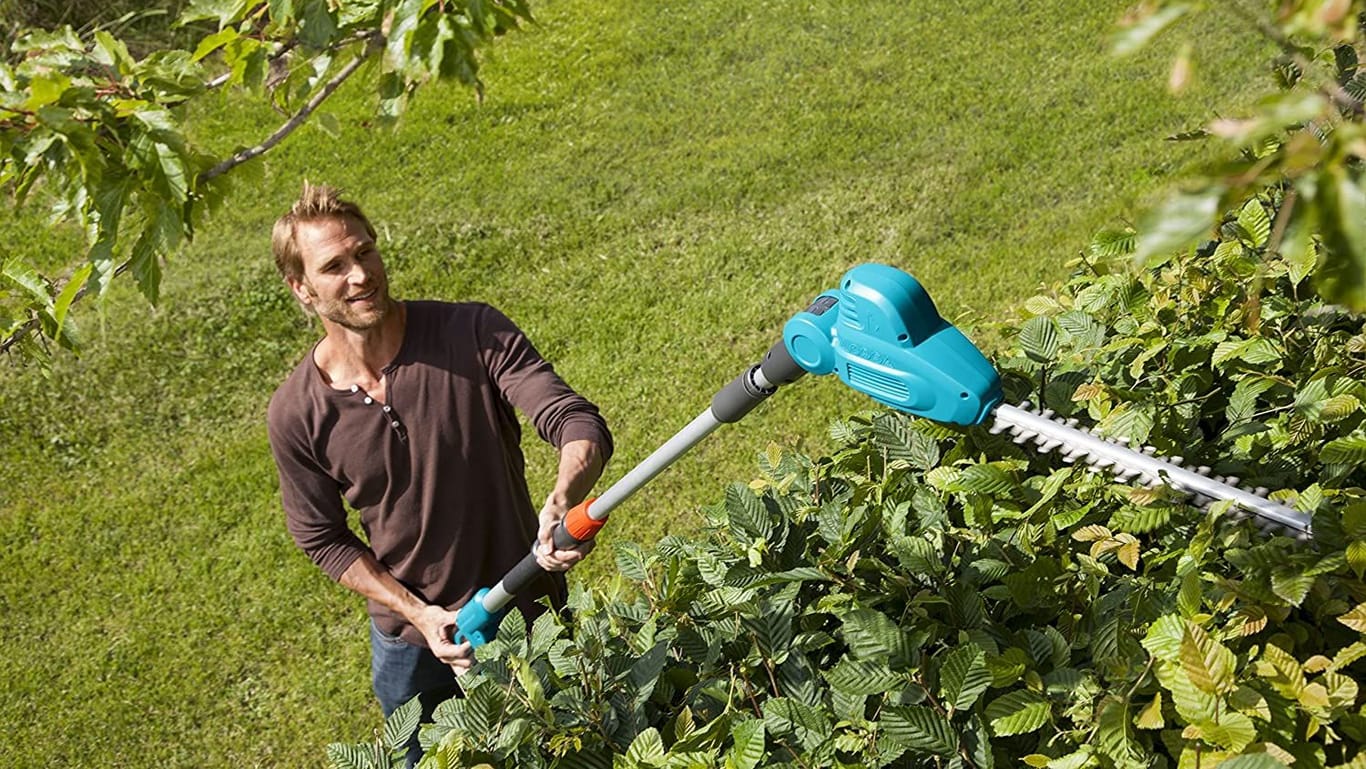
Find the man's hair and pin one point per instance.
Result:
(317, 202)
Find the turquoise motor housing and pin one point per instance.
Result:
(881, 334)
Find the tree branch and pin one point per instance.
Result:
(373, 43)
(1334, 90)
(371, 47)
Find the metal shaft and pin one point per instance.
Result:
(731, 404)
(1125, 461)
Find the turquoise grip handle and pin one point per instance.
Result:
(476, 624)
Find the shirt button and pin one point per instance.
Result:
(369, 400)
(394, 424)
(355, 388)
(387, 409)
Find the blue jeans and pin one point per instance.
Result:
(400, 671)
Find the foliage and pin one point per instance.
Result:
(143, 26)
(577, 197)
(99, 131)
(1309, 140)
(932, 596)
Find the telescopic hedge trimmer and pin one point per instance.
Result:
(880, 333)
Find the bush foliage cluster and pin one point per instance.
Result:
(942, 597)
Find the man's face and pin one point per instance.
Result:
(344, 280)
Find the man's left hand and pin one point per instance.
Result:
(547, 555)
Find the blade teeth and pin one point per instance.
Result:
(1176, 460)
(1149, 450)
(1046, 413)
(1261, 491)
(1232, 480)
(1202, 469)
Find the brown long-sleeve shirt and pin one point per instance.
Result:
(437, 472)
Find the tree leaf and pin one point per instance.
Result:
(872, 636)
(225, 12)
(772, 629)
(1151, 715)
(1349, 449)
(1038, 339)
(963, 676)
(344, 756)
(1356, 618)
(1342, 225)
(402, 723)
(1282, 670)
(1128, 552)
(318, 24)
(1298, 247)
(746, 513)
(856, 677)
(810, 726)
(1251, 761)
(1347, 655)
(1178, 223)
(1192, 703)
(1292, 586)
(1115, 733)
(894, 433)
(1018, 712)
(1242, 404)
(1141, 32)
(1255, 221)
(1112, 243)
(747, 745)
(26, 278)
(1209, 664)
(646, 749)
(631, 561)
(1129, 420)
(215, 41)
(920, 728)
(1164, 638)
(988, 479)
(1233, 731)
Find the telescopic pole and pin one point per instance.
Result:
(477, 621)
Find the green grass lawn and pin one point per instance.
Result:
(650, 190)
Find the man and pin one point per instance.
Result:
(405, 410)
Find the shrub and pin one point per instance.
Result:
(927, 596)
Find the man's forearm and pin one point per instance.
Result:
(581, 464)
(367, 576)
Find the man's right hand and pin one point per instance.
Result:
(438, 627)
(372, 579)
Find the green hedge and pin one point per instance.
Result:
(941, 597)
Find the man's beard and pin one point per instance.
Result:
(345, 315)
